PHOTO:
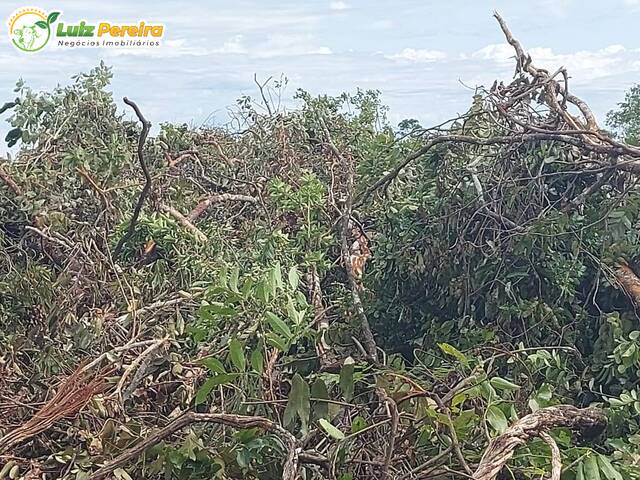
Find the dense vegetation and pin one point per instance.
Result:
(315, 293)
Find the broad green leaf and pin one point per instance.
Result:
(41, 24)
(299, 403)
(608, 469)
(497, 419)
(454, 352)
(346, 379)
(294, 278)
(214, 365)
(319, 390)
(236, 352)
(277, 341)
(591, 468)
(262, 292)
(257, 359)
(580, 472)
(330, 429)
(204, 391)
(207, 312)
(502, 384)
(211, 383)
(277, 325)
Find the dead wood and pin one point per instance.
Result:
(588, 422)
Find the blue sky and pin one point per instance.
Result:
(425, 57)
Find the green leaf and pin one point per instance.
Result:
(608, 469)
(233, 280)
(319, 390)
(204, 391)
(346, 379)
(294, 277)
(236, 352)
(496, 419)
(580, 471)
(357, 424)
(277, 325)
(41, 24)
(53, 16)
(330, 429)
(257, 359)
(454, 352)
(591, 468)
(502, 384)
(214, 365)
(208, 312)
(277, 276)
(276, 341)
(298, 403)
(262, 292)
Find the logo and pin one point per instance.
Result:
(30, 29)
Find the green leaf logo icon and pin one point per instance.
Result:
(53, 16)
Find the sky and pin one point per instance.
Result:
(425, 57)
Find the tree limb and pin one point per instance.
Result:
(146, 126)
(289, 469)
(589, 422)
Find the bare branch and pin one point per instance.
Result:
(590, 422)
(146, 126)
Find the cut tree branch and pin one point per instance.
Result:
(589, 422)
(202, 207)
(289, 469)
(184, 221)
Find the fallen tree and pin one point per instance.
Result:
(352, 301)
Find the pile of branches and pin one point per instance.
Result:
(202, 303)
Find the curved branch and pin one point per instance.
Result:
(289, 469)
(589, 422)
(146, 126)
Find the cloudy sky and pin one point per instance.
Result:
(424, 56)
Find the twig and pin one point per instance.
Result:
(455, 443)
(184, 221)
(556, 459)
(146, 126)
(394, 419)
(4, 175)
(136, 363)
(289, 469)
(223, 197)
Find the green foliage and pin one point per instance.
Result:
(496, 319)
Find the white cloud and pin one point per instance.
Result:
(275, 45)
(232, 46)
(583, 65)
(413, 55)
(179, 47)
(501, 52)
(320, 51)
(338, 5)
